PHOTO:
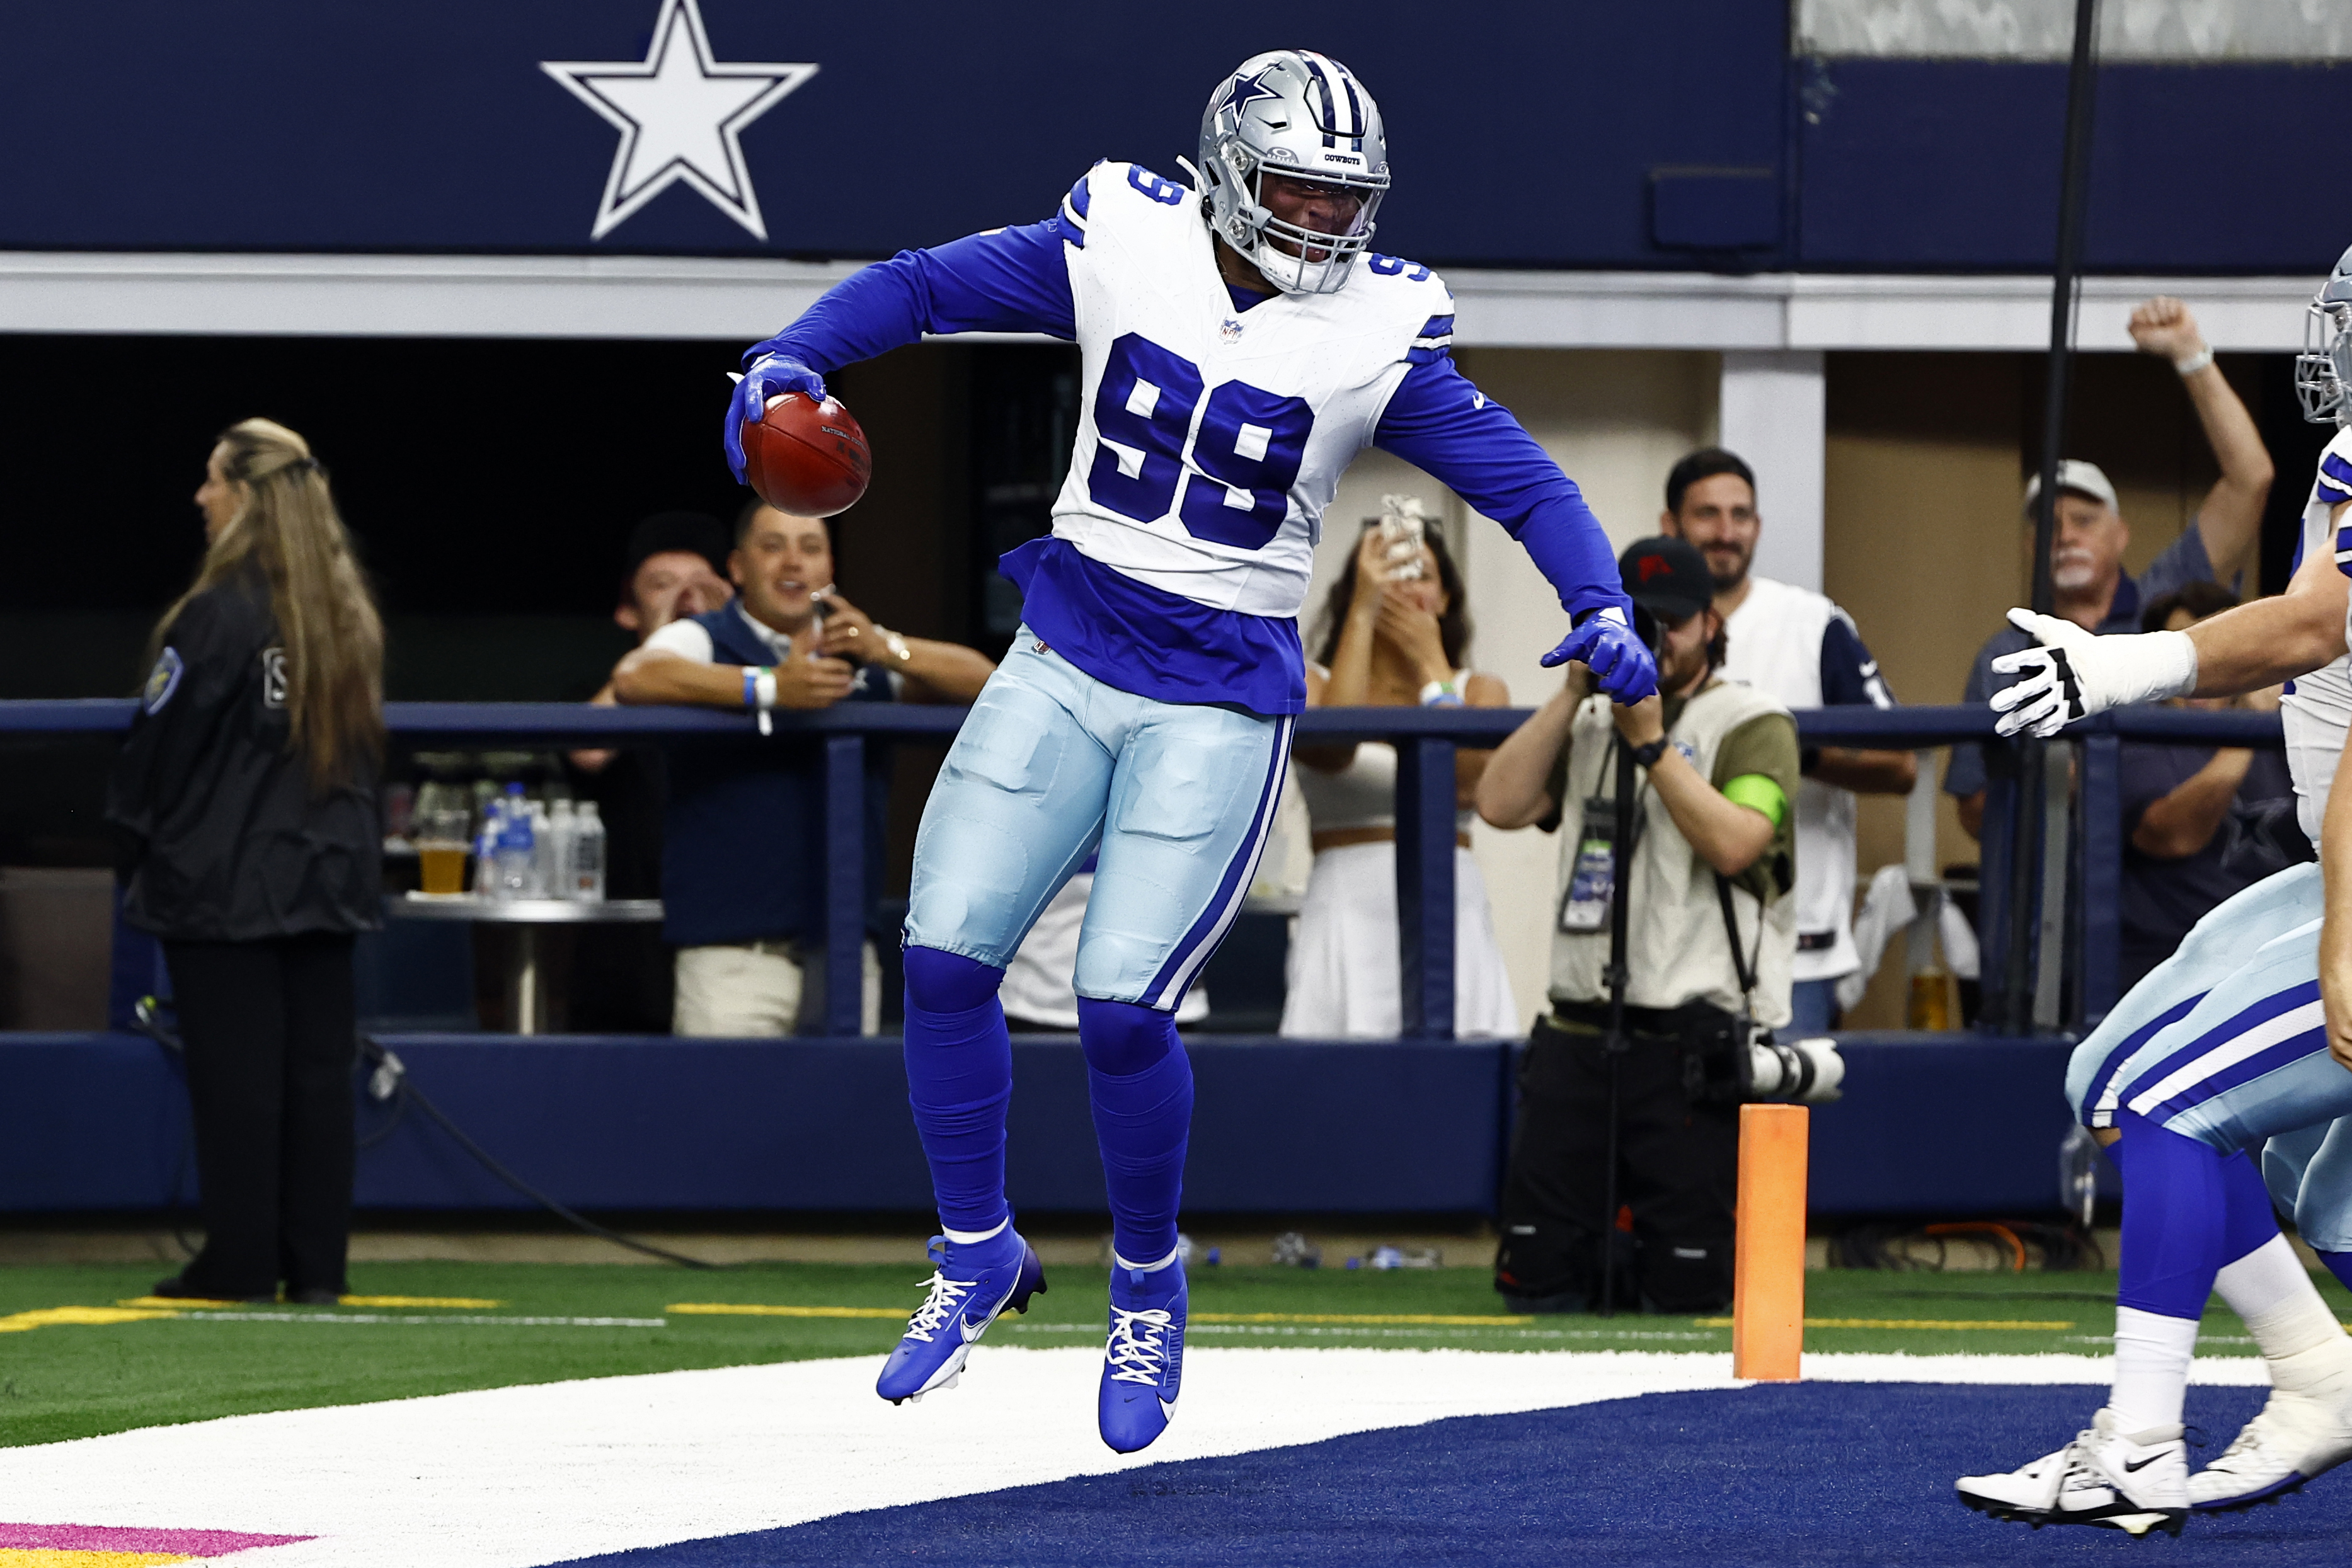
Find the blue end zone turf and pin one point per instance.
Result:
(1856, 1473)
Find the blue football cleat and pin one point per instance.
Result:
(1144, 1359)
(969, 1286)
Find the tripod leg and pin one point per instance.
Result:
(1609, 1216)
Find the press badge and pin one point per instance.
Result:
(1586, 907)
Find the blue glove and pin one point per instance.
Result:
(769, 376)
(1607, 646)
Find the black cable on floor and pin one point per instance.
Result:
(390, 1079)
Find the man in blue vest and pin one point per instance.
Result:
(743, 849)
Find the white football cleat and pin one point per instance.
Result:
(2133, 1483)
(2303, 1431)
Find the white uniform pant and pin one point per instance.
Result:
(2223, 1042)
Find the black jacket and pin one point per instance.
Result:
(223, 839)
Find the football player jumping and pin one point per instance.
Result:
(2238, 1045)
(1241, 345)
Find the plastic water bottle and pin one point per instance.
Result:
(485, 850)
(587, 855)
(550, 862)
(517, 845)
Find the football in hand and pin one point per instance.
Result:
(806, 458)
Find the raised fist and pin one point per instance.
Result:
(2163, 326)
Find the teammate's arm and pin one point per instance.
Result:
(2243, 650)
(2273, 640)
(1438, 422)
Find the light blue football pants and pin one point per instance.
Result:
(2223, 1042)
(1174, 801)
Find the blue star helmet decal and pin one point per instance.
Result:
(1242, 91)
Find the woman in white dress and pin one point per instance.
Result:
(1392, 639)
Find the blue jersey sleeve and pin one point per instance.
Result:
(1437, 421)
(1011, 280)
(1850, 676)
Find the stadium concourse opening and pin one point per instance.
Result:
(490, 484)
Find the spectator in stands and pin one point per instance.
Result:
(1802, 651)
(246, 801)
(743, 849)
(1395, 636)
(674, 568)
(2202, 823)
(2088, 582)
(1713, 849)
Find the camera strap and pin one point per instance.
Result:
(1742, 963)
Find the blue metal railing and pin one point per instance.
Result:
(1426, 740)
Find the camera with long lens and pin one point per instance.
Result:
(1794, 1072)
(1729, 1060)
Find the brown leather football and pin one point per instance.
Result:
(807, 458)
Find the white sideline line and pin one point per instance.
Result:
(1193, 1331)
(436, 1319)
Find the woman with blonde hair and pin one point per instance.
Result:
(246, 802)
(1396, 631)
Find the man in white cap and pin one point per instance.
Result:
(2089, 585)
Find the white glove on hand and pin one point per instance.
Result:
(2075, 674)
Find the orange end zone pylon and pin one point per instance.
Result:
(1767, 1299)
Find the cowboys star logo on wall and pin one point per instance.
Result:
(679, 113)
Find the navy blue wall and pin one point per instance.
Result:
(1287, 1126)
(1523, 132)
(1918, 163)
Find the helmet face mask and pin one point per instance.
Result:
(2322, 372)
(2324, 367)
(1301, 116)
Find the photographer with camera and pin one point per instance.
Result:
(1710, 940)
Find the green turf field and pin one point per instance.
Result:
(61, 1378)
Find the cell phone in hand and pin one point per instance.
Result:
(1401, 534)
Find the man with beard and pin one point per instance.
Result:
(2090, 586)
(1801, 651)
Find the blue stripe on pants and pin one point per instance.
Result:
(2216, 948)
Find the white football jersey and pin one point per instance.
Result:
(2318, 710)
(1210, 439)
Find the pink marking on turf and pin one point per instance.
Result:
(110, 1538)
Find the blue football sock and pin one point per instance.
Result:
(958, 1079)
(1140, 1081)
(2187, 1211)
(2338, 1264)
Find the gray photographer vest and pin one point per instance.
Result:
(1675, 949)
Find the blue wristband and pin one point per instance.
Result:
(751, 686)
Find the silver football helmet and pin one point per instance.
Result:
(2323, 370)
(1297, 113)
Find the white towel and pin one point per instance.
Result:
(1886, 909)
